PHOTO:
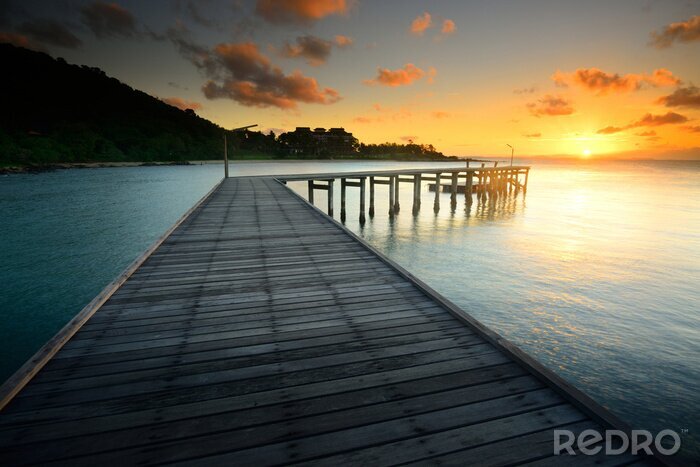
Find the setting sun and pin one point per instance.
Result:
(586, 152)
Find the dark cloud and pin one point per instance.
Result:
(648, 120)
(240, 72)
(691, 128)
(199, 55)
(50, 32)
(409, 139)
(530, 90)
(314, 49)
(533, 135)
(302, 12)
(683, 31)
(682, 97)
(601, 82)
(550, 106)
(108, 20)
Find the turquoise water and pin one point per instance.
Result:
(595, 272)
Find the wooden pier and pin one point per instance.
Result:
(483, 181)
(259, 331)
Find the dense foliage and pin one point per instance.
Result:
(56, 112)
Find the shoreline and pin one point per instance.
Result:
(41, 168)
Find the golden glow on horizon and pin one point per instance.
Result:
(586, 152)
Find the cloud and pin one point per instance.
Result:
(601, 82)
(400, 77)
(550, 105)
(646, 133)
(182, 104)
(301, 12)
(440, 114)
(108, 20)
(314, 49)
(343, 41)
(693, 129)
(50, 32)
(448, 26)
(682, 97)
(239, 71)
(362, 120)
(421, 23)
(533, 135)
(20, 40)
(530, 90)
(648, 120)
(409, 139)
(684, 31)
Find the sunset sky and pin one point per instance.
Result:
(579, 78)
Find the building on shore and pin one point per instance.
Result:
(319, 141)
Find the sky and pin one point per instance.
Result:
(551, 78)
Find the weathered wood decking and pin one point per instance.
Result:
(260, 332)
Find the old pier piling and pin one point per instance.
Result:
(484, 182)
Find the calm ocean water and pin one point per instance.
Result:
(595, 272)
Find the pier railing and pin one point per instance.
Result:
(480, 182)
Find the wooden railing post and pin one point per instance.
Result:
(371, 196)
(362, 199)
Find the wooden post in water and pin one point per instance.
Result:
(438, 188)
(371, 196)
(453, 189)
(468, 187)
(362, 199)
(225, 157)
(527, 173)
(311, 191)
(330, 197)
(392, 201)
(416, 193)
(397, 205)
(343, 182)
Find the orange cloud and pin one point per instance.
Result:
(421, 23)
(440, 114)
(240, 72)
(601, 82)
(401, 77)
(299, 11)
(693, 129)
(19, 40)
(682, 97)
(551, 106)
(343, 41)
(448, 26)
(684, 31)
(646, 133)
(362, 120)
(409, 139)
(182, 104)
(647, 120)
(533, 135)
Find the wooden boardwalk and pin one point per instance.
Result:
(260, 332)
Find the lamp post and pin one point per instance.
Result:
(226, 147)
(512, 150)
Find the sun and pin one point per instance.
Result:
(586, 152)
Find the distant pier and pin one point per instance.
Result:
(482, 181)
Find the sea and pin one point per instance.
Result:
(595, 271)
